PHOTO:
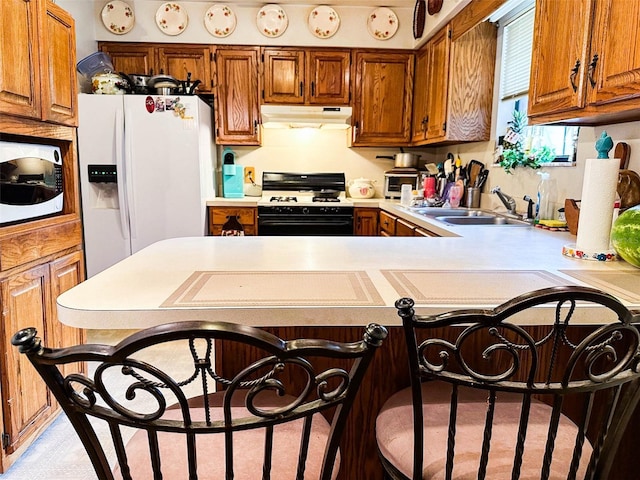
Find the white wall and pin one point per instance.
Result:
(352, 31)
(317, 150)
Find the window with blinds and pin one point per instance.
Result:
(517, 43)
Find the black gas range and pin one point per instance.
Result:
(304, 204)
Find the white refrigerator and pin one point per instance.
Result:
(163, 151)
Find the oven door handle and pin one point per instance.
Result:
(294, 223)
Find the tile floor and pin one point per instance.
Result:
(58, 454)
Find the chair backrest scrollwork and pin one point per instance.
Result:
(179, 403)
(590, 374)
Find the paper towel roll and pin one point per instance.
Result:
(596, 205)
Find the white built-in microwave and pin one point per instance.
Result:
(30, 181)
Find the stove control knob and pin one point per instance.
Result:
(305, 210)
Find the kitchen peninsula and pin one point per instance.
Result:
(287, 281)
(329, 287)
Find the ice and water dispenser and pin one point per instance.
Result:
(104, 182)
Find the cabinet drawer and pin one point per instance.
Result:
(421, 232)
(404, 228)
(218, 216)
(246, 216)
(388, 224)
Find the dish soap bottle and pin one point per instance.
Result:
(546, 197)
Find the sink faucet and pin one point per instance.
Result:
(507, 200)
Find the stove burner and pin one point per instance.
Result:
(283, 199)
(325, 199)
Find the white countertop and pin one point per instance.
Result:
(131, 293)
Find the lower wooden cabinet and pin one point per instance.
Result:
(66, 272)
(28, 299)
(247, 216)
(423, 232)
(392, 226)
(404, 228)
(387, 224)
(365, 222)
(26, 402)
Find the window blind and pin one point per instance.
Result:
(517, 42)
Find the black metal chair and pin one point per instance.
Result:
(137, 419)
(488, 400)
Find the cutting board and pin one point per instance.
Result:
(628, 187)
(623, 152)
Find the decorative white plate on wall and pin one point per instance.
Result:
(172, 18)
(323, 21)
(118, 17)
(220, 21)
(272, 20)
(382, 23)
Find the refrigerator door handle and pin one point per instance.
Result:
(120, 167)
(128, 172)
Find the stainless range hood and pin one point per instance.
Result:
(309, 116)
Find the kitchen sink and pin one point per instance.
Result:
(452, 212)
(482, 220)
(469, 216)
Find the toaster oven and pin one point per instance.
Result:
(30, 181)
(396, 177)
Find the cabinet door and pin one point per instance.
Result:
(19, 58)
(615, 43)
(387, 224)
(383, 93)
(327, 80)
(132, 58)
(559, 61)
(58, 60)
(404, 228)
(180, 60)
(419, 117)
(438, 86)
(283, 76)
(237, 112)
(26, 401)
(365, 221)
(65, 272)
(471, 77)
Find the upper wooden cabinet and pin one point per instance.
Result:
(19, 55)
(236, 85)
(438, 84)
(175, 59)
(37, 57)
(585, 70)
(383, 89)
(180, 60)
(454, 86)
(306, 76)
(132, 58)
(58, 59)
(560, 50)
(420, 90)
